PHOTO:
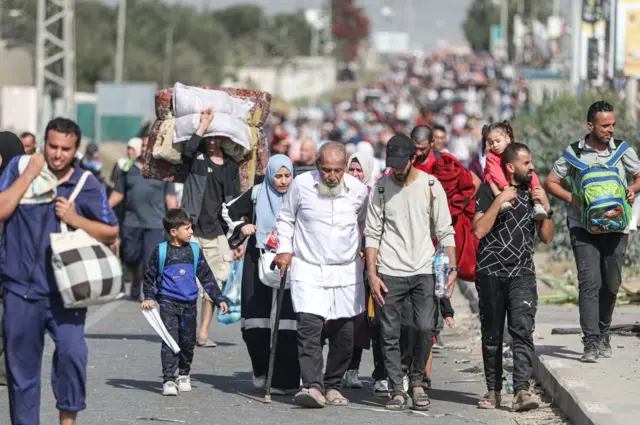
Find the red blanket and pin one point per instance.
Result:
(458, 185)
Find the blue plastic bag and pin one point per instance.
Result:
(232, 289)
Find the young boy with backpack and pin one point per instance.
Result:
(170, 281)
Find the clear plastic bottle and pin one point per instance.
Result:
(441, 271)
(509, 383)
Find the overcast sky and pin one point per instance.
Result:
(427, 20)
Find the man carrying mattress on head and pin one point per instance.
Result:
(213, 180)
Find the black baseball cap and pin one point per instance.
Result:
(400, 149)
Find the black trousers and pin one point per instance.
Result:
(599, 261)
(180, 319)
(311, 333)
(517, 299)
(420, 291)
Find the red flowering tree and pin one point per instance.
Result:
(350, 26)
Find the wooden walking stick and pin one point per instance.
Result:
(274, 337)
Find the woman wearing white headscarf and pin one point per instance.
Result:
(361, 166)
(253, 215)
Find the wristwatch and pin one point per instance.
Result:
(549, 214)
(454, 269)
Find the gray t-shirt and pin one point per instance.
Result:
(629, 165)
(413, 216)
(144, 199)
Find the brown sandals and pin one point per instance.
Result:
(524, 400)
(490, 400)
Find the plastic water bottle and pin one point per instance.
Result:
(441, 271)
(509, 384)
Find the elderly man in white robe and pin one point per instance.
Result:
(319, 237)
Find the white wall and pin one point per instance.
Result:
(303, 77)
(552, 86)
(19, 109)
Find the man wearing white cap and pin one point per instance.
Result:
(134, 149)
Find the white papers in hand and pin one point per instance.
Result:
(153, 317)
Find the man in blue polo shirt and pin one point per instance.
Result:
(32, 303)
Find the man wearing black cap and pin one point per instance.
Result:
(400, 256)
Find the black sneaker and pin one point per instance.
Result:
(590, 354)
(604, 346)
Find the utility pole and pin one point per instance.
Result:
(122, 25)
(328, 28)
(613, 26)
(168, 55)
(410, 22)
(504, 26)
(55, 59)
(576, 48)
(534, 16)
(631, 99)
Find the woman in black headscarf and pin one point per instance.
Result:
(10, 147)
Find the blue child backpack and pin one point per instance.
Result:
(162, 256)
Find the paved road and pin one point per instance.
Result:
(124, 383)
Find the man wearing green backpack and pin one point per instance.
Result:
(598, 216)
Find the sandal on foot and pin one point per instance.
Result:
(206, 343)
(524, 401)
(419, 399)
(306, 398)
(334, 398)
(490, 400)
(396, 403)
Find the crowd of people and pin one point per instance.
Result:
(453, 93)
(353, 220)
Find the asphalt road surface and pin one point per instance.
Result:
(125, 382)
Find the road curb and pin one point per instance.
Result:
(570, 392)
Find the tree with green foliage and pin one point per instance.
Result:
(554, 126)
(482, 14)
(205, 44)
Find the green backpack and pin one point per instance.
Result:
(605, 208)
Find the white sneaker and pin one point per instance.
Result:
(259, 382)
(351, 380)
(381, 388)
(506, 206)
(184, 383)
(538, 212)
(169, 388)
(405, 384)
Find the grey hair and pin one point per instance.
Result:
(332, 148)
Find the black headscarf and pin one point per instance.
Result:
(10, 147)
